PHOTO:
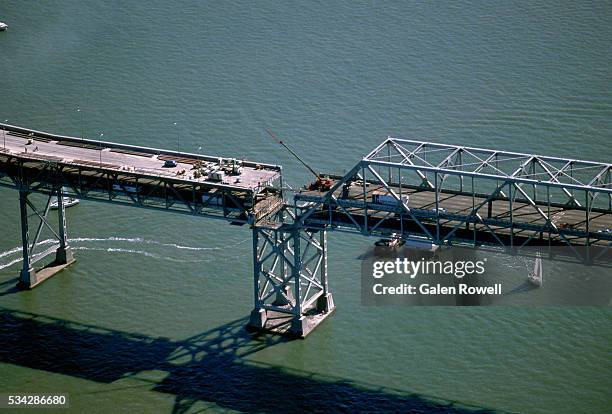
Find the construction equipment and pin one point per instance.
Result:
(321, 183)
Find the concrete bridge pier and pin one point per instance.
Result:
(290, 280)
(30, 276)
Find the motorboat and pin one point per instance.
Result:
(67, 201)
(3, 26)
(393, 242)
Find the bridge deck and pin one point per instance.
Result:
(145, 161)
(218, 187)
(571, 221)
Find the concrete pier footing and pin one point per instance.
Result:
(32, 277)
(269, 321)
(64, 255)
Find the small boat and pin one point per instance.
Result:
(68, 202)
(393, 242)
(3, 26)
(535, 277)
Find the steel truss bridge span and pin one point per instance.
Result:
(462, 195)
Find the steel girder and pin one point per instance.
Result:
(134, 189)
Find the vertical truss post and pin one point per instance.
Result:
(296, 269)
(608, 182)
(28, 274)
(365, 199)
(437, 201)
(548, 215)
(389, 160)
(63, 253)
(587, 206)
(511, 211)
(460, 164)
(256, 272)
(325, 303)
(533, 177)
(497, 168)
(291, 290)
(399, 181)
(474, 210)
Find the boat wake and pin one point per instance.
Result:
(139, 252)
(12, 256)
(139, 240)
(18, 250)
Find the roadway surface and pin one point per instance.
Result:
(106, 156)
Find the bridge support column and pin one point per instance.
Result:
(29, 276)
(290, 280)
(63, 254)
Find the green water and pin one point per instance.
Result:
(148, 319)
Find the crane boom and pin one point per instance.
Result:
(293, 153)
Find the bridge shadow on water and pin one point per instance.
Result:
(524, 287)
(9, 286)
(209, 367)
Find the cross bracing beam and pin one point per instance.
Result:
(516, 179)
(506, 164)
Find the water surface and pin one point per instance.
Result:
(148, 319)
